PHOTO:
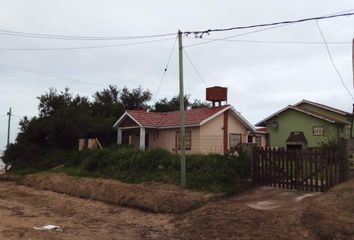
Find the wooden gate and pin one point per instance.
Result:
(304, 170)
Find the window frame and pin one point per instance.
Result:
(315, 131)
(260, 141)
(186, 138)
(234, 134)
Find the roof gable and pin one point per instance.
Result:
(305, 102)
(304, 111)
(192, 117)
(197, 116)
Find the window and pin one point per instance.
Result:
(234, 140)
(318, 131)
(259, 141)
(250, 139)
(188, 140)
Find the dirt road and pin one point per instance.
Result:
(22, 208)
(263, 213)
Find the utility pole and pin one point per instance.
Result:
(182, 142)
(8, 129)
(8, 135)
(351, 127)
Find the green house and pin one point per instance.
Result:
(306, 124)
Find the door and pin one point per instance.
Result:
(146, 140)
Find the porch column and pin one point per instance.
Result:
(142, 138)
(119, 136)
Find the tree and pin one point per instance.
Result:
(165, 105)
(136, 98)
(107, 103)
(199, 104)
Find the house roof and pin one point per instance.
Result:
(302, 110)
(192, 117)
(323, 107)
(261, 130)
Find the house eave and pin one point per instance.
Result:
(115, 125)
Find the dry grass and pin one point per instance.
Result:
(159, 198)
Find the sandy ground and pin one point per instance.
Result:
(22, 208)
(263, 213)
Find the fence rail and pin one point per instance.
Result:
(304, 170)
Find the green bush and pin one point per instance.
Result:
(206, 172)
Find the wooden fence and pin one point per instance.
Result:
(304, 170)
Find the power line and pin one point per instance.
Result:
(85, 47)
(165, 70)
(195, 69)
(201, 33)
(15, 115)
(72, 37)
(237, 35)
(332, 61)
(259, 30)
(275, 42)
(49, 75)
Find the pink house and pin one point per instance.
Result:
(208, 130)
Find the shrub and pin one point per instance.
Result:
(206, 172)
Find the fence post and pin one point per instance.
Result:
(344, 150)
(254, 157)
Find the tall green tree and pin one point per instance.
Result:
(136, 98)
(165, 105)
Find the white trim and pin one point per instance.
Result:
(127, 128)
(273, 115)
(178, 126)
(122, 117)
(322, 106)
(214, 116)
(245, 122)
(236, 113)
(142, 139)
(119, 136)
(312, 114)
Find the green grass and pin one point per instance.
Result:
(212, 172)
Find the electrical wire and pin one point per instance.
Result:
(49, 75)
(201, 33)
(13, 115)
(332, 61)
(165, 70)
(276, 42)
(233, 36)
(259, 30)
(72, 37)
(195, 69)
(86, 47)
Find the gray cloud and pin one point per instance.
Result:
(262, 78)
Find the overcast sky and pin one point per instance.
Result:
(261, 77)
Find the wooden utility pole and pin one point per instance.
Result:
(351, 128)
(353, 61)
(182, 142)
(8, 135)
(8, 129)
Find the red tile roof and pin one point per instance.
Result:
(191, 117)
(171, 119)
(147, 119)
